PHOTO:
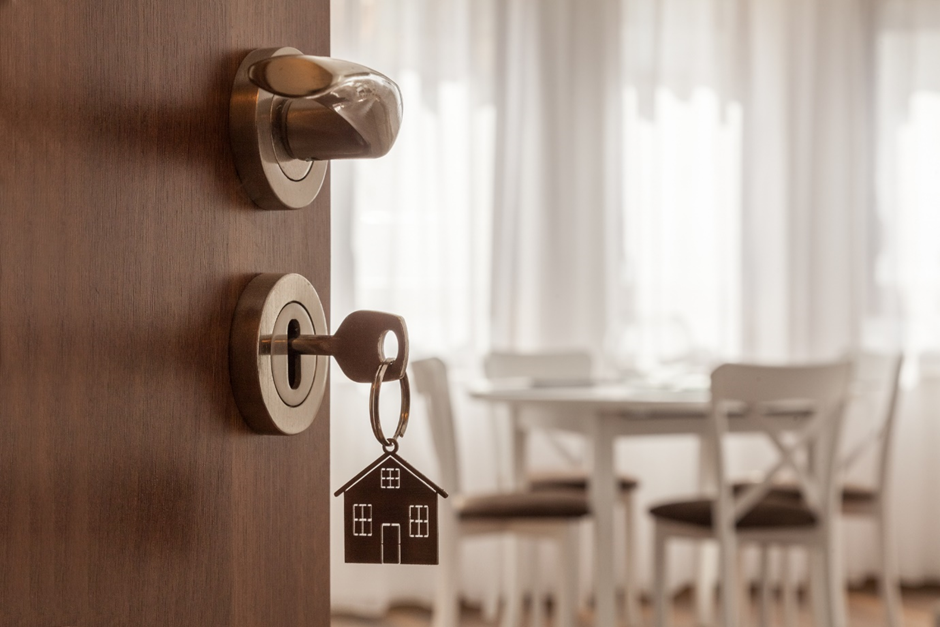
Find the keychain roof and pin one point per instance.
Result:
(378, 462)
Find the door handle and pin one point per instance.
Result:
(291, 113)
(335, 109)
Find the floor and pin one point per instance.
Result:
(864, 611)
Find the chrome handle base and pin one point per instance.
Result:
(272, 177)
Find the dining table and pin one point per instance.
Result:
(603, 412)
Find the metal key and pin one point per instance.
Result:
(357, 345)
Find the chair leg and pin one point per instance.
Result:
(730, 612)
(660, 595)
(835, 579)
(829, 587)
(446, 603)
(765, 600)
(631, 597)
(820, 589)
(742, 590)
(489, 606)
(489, 609)
(788, 587)
(889, 583)
(706, 566)
(706, 554)
(536, 599)
(566, 609)
(512, 605)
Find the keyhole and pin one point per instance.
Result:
(293, 357)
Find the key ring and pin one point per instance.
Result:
(389, 445)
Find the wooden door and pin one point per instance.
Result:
(131, 491)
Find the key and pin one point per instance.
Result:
(357, 345)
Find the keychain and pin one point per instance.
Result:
(390, 508)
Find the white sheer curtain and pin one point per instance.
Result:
(411, 235)
(653, 180)
(747, 181)
(556, 193)
(903, 263)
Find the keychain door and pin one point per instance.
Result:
(391, 543)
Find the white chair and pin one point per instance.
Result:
(875, 384)
(550, 515)
(799, 408)
(559, 368)
(880, 372)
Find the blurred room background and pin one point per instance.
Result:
(668, 184)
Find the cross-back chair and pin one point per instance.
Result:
(799, 409)
(875, 389)
(880, 374)
(550, 515)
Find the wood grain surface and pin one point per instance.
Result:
(131, 491)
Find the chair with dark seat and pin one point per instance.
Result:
(878, 375)
(876, 383)
(799, 409)
(553, 515)
(570, 367)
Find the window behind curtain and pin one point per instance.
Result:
(680, 274)
(903, 306)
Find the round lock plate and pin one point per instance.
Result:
(272, 395)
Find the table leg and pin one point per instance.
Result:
(706, 563)
(518, 450)
(602, 507)
(521, 551)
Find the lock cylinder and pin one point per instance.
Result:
(293, 372)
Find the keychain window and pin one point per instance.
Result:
(362, 520)
(391, 478)
(418, 521)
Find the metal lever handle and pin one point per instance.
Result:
(290, 113)
(357, 345)
(336, 109)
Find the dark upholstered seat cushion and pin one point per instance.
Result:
(504, 506)
(765, 515)
(852, 494)
(572, 480)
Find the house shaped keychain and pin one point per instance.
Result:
(390, 513)
(390, 508)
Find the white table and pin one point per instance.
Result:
(603, 413)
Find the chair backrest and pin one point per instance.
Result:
(429, 379)
(543, 365)
(876, 384)
(800, 409)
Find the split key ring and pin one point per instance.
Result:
(389, 445)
